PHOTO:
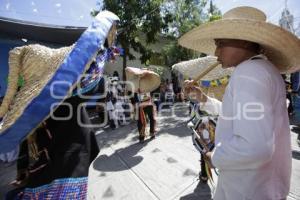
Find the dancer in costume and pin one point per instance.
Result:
(48, 113)
(142, 82)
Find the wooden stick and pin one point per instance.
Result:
(195, 81)
(206, 71)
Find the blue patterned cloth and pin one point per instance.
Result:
(93, 74)
(59, 189)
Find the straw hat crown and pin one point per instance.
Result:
(245, 13)
(35, 64)
(142, 80)
(280, 46)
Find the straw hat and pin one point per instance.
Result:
(50, 75)
(194, 68)
(247, 23)
(142, 79)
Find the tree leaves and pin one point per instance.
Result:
(143, 21)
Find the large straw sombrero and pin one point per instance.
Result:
(246, 23)
(141, 79)
(214, 82)
(50, 75)
(193, 68)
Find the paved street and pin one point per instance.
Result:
(164, 168)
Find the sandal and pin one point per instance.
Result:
(203, 179)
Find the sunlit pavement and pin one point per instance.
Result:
(295, 182)
(164, 168)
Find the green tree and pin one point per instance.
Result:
(186, 15)
(139, 18)
(213, 12)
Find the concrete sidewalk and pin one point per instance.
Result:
(164, 168)
(295, 181)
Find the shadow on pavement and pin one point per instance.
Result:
(175, 123)
(116, 161)
(202, 191)
(167, 124)
(109, 136)
(178, 129)
(8, 174)
(296, 129)
(295, 118)
(296, 154)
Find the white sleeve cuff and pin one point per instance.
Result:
(212, 106)
(214, 161)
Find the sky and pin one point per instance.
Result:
(57, 12)
(272, 8)
(77, 12)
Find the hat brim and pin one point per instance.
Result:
(193, 68)
(145, 80)
(280, 46)
(62, 80)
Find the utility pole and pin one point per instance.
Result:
(285, 4)
(287, 19)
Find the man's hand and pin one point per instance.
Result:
(188, 85)
(191, 88)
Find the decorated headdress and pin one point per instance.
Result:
(50, 76)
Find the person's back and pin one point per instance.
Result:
(259, 154)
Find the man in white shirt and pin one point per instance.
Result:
(253, 150)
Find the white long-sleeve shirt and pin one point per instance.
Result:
(253, 150)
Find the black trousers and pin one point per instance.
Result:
(290, 108)
(203, 171)
(149, 112)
